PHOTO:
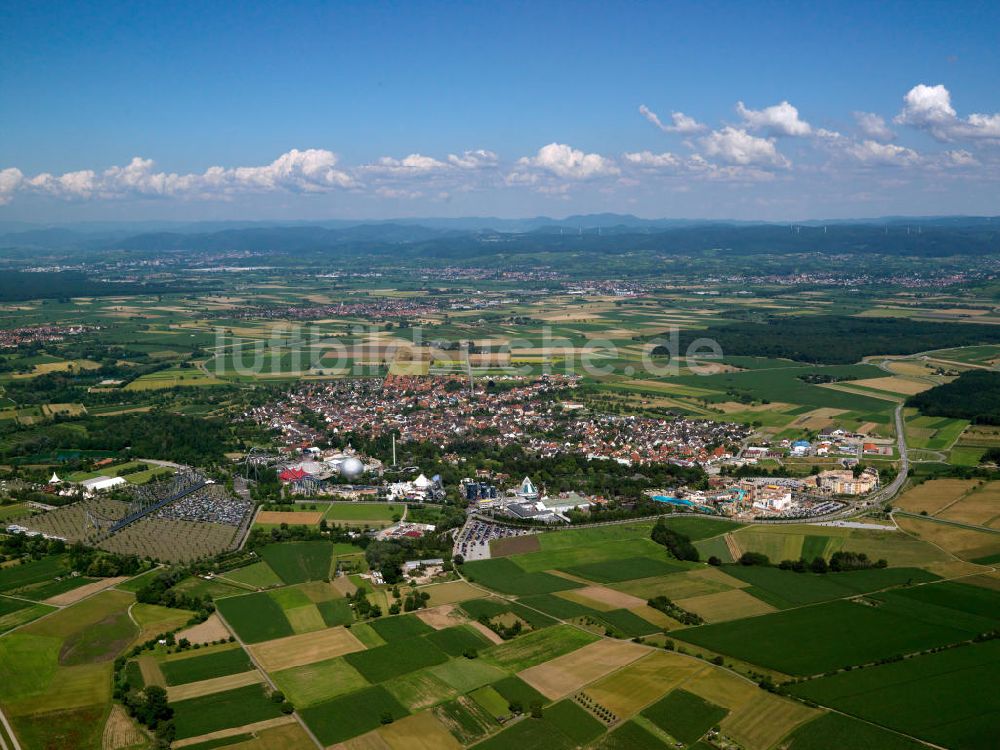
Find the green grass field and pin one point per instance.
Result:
(258, 575)
(17, 612)
(491, 702)
(231, 708)
(401, 628)
(355, 512)
(204, 667)
(574, 722)
(335, 612)
(14, 577)
(396, 658)
(350, 715)
(837, 731)
(818, 638)
(615, 571)
(298, 562)
(457, 640)
(684, 715)
(920, 696)
(318, 682)
(536, 647)
(786, 588)
(255, 617)
(506, 576)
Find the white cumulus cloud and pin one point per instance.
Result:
(681, 123)
(873, 127)
(649, 160)
(10, 180)
(477, 159)
(887, 154)
(778, 120)
(737, 146)
(929, 108)
(569, 163)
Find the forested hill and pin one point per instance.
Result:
(607, 234)
(933, 241)
(974, 395)
(827, 339)
(16, 286)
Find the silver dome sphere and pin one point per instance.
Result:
(351, 468)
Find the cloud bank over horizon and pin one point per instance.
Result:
(775, 142)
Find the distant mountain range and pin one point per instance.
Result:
(478, 236)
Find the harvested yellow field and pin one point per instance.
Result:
(723, 688)
(981, 507)
(734, 407)
(205, 632)
(120, 731)
(451, 592)
(911, 368)
(82, 592)
(765, 719)
(817, 419)
(418, 732)
(655, 616)
(299, 650)
(369, 741)
(682, 585)
(568, 673)
(214, 685)
(989, 580)
(964, 543)
(64, 410)
(895, 384)
(933, 495)
(725, 605)
(602, 598)
(305, 518)
(644, 682)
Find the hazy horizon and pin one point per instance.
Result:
(721, 111)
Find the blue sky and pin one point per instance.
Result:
(322, 110)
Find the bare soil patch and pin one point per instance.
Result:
(514, 545)
(206, 632)
(441, 617)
